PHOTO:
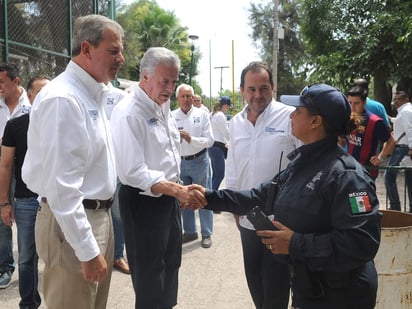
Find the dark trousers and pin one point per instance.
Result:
(267, 274)
(153, 238)
(390, 178)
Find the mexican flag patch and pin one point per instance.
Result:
(359, 202)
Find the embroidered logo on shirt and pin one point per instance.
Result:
(110, 101)
(359, 202)
(273, 130)
(94, 114)
(25, 109)
(152, 122)
(315, 179)
(196, 120)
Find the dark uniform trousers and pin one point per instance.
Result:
(153, 238)
(267, 274)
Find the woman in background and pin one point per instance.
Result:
(218, 151)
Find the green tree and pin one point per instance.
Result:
(360, 38)
(291, 58)
(147, 25)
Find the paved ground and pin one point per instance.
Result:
(209, 278)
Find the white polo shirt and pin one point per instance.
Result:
(197, 123)
(220, 128)
(22, 107)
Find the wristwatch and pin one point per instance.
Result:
(4, 204)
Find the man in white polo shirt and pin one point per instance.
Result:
(195, 136)
(260, 140)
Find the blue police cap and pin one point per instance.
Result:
(328, 101)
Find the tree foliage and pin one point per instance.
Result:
(360, 38)
(291, 58)
(147, 25)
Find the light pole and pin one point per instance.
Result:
(192, 37)
(221, 76)
(275, 46)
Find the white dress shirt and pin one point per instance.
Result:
(254, 154)
(70, 154)
(220, 128)
(22, 107)
(197, 123)
(146, 142)
(403, 124)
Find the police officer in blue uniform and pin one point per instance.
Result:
(325, 208)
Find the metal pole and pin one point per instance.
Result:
(191, 64)
(221, 75)
(6, 32)
(210, 74)
(192, 48)
(233, 72)
(275, 47)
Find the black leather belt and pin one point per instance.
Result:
(97, 204)
(92, 204)
(402, 146)
(193, 156)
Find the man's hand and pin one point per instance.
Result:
(185, 135)
(7, 215)
(277, 241)
(376, 160)
(94, 270)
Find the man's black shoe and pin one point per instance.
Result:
(189, 237)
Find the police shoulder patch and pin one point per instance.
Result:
(359, 202)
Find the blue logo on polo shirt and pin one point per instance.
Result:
(152, 122)
(93, 114)
(273, 130)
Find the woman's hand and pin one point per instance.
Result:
(277, 241)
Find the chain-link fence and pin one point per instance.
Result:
(36, 35)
